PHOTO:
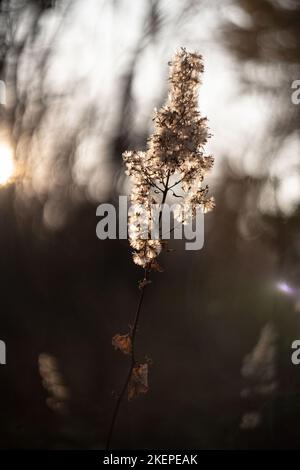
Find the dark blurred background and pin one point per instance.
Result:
(80, 80)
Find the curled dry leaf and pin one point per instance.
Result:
(156, 267)
(123, 343)
(139, 381)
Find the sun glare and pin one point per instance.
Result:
(6, 163)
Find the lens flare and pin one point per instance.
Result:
(6, 163)
(285, 288)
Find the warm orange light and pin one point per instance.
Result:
(6, 163)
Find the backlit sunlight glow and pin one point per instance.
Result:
(285, 288)
(6, 163)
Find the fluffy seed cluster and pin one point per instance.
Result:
(174, 158)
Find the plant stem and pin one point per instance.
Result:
(132, 364)
(164, 196)
(133, 336)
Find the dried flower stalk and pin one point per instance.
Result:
(174, 158)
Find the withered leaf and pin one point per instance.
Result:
(156, 267)
(123, 343)
(138, 381)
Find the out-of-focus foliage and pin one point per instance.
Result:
(265, 37)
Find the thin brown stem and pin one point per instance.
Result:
(133, 336)
(175, 184)
(154, 185)
(164, 197)
(132, 364)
